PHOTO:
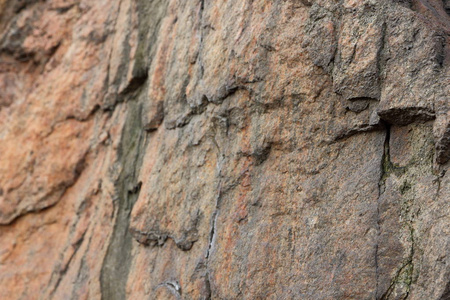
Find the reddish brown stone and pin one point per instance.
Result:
(224, 149)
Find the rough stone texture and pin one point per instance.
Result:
(224, 149)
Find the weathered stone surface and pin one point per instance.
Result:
(224, 149)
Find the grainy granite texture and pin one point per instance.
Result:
(192, 149)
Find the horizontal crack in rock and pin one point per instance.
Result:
(156, 238)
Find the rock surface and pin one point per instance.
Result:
(224, 149)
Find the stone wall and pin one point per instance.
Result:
(239, 149)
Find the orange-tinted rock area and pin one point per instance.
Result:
(251, 149)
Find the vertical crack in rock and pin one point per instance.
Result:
(381, 54)
(116, 264)
(199, 55)
(401, 207)
(202, 32)
(385, 161)
(213, 229)
(211, 238)
(403, 275)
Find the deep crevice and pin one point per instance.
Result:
(385, 159)
(404, 276)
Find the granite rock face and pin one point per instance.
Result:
(291, 149)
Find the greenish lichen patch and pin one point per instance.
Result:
(117, 262)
